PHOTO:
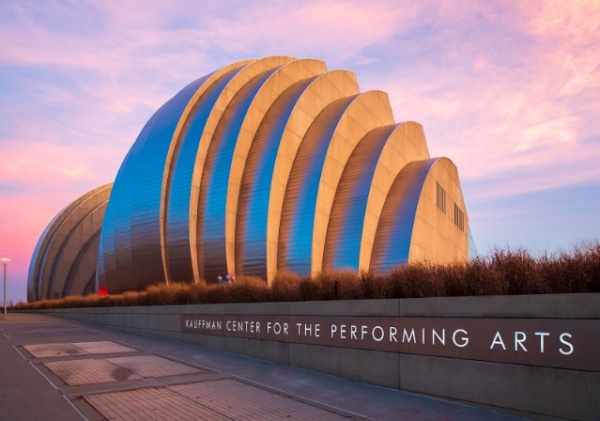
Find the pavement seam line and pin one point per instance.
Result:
(49, 381)
(75, 408)
(300, 399)
(20, 353)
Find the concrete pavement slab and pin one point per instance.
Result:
(133, 377)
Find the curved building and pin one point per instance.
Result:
(274, 165)
(65, 257)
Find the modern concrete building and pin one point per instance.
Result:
(275, 165)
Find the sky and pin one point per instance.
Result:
(508, 90)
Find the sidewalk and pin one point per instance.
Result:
(56, 369)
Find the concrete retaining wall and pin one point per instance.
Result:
(530, 391)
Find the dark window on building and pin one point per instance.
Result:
(459, 218)
(440, 197)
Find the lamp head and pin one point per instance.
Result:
(5, 260)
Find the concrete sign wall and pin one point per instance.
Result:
(538, 342)
(535, 356)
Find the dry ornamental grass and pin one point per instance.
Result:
(504, 272)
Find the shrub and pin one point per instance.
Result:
(504, 272)
(338, 285)
(172, 293)
(286, 286)
(416, 281)
(247, 289)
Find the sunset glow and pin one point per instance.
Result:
(510, 91)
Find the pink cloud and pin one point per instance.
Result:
(509, 91)
(531, 113)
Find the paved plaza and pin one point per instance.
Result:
(56, 369)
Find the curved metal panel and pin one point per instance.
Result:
(323, 91)
(90, 286)
(131, 239)
(221, 106)
(269, 92)
(59, 248)
(83, 267)
(36, 265)
(215, 178)
(300, 203)
(345, 228)
(251, 226)
(73, 241)
(104, 260)
(394, 231)
(63, 223)
(179, 184)
(368, 111)
(405, 144)
(440, 236)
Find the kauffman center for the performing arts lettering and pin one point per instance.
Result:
(541, 342)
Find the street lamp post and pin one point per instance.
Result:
(5, 261)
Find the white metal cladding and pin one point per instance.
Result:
(262, 166)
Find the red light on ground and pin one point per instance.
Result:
(102, 292)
